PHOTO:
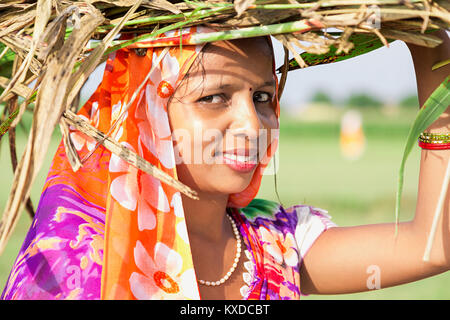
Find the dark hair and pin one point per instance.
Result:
(198, 62)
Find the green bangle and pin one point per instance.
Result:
(435, 136)
(434, 141)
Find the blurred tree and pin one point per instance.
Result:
(410, 101)
(321, 97)
(363, 100)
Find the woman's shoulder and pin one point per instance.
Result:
(263, 209)
(299, 224)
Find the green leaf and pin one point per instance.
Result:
(6, 62)
(435, 105)
(363, 43)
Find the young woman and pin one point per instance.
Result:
(208, 116)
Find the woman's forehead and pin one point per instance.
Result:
(242, 47)
(241, 58)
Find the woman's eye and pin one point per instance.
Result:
(262, 97)
(214, 98)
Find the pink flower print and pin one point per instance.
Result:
(280, 247)
(162, 277)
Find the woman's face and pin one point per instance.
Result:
(221, 115)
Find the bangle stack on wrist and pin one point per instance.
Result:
(432, 141)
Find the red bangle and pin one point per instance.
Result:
(434, 146)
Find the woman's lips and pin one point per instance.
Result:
(239, 163)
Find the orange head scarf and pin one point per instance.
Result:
(142, 249)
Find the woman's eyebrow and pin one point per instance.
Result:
(270, 83)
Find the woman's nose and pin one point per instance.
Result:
(246, 120)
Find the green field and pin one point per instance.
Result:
(312, 171)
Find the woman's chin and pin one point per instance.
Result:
(218, 179)
(233, 183)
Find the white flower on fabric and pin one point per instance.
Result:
(116, 164)
(95, 116)
(116, 110)
(176, 32)
(280, 247)
(146, 216)
(164, 80)
(156, 114)
(154, 193)
(162, 277)
(160, 148)
(79, 139)
(154, 130)
(177, 204)
(117, 134)
(125, 190)
(182, 231)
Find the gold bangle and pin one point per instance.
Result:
(434, 141)
(435, 136)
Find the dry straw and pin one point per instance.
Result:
(41, 40)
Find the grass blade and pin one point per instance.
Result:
(4, 127)
(435, 105)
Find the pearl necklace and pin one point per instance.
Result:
(236, 259)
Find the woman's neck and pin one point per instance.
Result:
(205, 218)
(213, 245)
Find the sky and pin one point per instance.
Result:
(386, 73)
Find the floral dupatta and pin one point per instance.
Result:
(109, 230)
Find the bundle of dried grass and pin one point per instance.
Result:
(41, 40)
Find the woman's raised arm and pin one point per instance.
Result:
(343, 259)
